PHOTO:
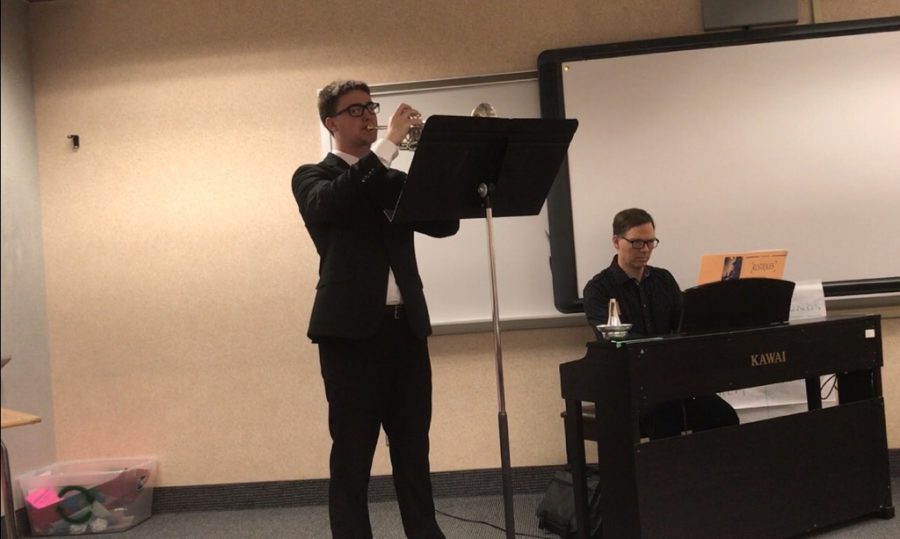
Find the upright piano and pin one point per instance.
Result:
(772, 478)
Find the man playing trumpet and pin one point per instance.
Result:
(369, 317)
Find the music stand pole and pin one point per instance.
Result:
(506, 469)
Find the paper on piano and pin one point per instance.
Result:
(808, 301)
(742, 265)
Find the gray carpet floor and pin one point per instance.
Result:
(312, 522)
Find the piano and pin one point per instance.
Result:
(772, 478)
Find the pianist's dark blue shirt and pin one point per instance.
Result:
(653, 306)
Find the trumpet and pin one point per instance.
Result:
(410, 141)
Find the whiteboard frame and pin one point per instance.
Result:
(567, 292)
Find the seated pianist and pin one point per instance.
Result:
(650, 299)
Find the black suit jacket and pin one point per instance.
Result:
(343, 208)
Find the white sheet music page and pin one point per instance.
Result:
(808, 301)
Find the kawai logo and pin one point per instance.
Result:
(768, 358)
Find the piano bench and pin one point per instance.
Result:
(589, 421)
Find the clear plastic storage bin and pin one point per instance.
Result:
(89, 496)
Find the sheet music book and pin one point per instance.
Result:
(742, 265)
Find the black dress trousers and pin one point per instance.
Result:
(382, 381)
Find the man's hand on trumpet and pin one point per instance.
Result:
(404, 118)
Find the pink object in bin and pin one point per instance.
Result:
(41, 498)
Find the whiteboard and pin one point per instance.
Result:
(791, 144)
(455, 270)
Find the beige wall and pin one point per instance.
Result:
(26, 383)
(179, 276)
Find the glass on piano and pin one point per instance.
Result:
(613, 328)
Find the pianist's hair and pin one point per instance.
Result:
(630, 218)
(329, 95)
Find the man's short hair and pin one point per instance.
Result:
(329, 95)
(630, 218)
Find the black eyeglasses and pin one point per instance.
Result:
(356, 109)
(639, 244)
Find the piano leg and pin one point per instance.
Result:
(813, 393)
(858, 385)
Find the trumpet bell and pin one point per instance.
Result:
(484, 110)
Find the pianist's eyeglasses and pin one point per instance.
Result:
(639, 244)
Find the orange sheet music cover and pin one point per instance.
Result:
(746, 265)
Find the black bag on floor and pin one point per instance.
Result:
(556, 512)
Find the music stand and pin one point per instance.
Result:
(472, 167)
